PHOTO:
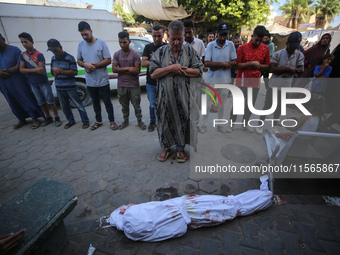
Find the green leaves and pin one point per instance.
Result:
(237, 12)
(326, 10)
(297, 11)
(128, 18)
(208, 13)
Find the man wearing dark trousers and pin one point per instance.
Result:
(94, 55)
(151, 85)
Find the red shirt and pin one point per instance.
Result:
(247, 52)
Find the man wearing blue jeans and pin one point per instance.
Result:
(32, 63)
(94, 55)
(151, 85)
(64, 68)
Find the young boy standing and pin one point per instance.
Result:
(32, 63)
(64, 68)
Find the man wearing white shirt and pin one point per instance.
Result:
(221, 57)
(189, 37)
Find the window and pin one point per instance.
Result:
(138, 45)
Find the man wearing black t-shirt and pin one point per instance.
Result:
(151, 85)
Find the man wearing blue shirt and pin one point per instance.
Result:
(220, 56)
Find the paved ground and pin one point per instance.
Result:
(109, 168)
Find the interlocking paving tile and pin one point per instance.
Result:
(110, 168)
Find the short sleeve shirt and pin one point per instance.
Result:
(319, 84)
(35, 57)
(282, 59)
(325, 72)
(271, 47)
(95, 53)
(215, 53)
(246, 53)
(66, 62)
(148, 52)
(127, 60)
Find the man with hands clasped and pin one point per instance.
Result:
(173, 65)
(64, 69)
(220, 56)
(284, 64)
(252, 58)
(126, 62)
(94, 55)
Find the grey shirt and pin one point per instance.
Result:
(95, 53)
(281, 58)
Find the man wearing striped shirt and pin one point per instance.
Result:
(64, 68)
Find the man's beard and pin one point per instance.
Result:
(89, 39)
(221, 41)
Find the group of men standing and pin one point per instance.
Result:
(173, 65)
(94, 55)
(170, 67)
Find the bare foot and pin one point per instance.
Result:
(183, 155)
(164, 155)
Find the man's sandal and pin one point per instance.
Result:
(123, 125)
(181, 157)
(20, 124)
(35, 124)
(141, 125)
(166, 154)
(68, 125)
(96, 125)
(86, 125)
(113, 125)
